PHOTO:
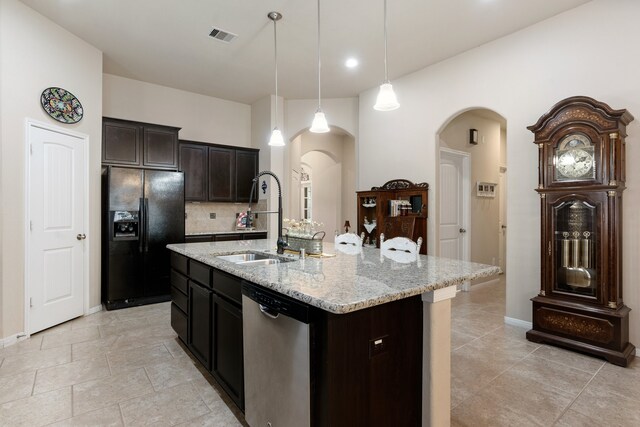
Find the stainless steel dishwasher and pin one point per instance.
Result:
(276, 337)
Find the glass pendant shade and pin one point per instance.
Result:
(276, 139)
(319, 124)
(386, 100)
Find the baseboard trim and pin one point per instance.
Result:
(95, 309)
(10, 340)
(517, 322)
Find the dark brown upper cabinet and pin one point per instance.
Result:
(221, 174)
(128, 143)
(217, 173)
(246, 170)
(193, 162)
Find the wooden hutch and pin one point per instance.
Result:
(397, 208)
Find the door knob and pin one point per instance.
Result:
(81, 236)
(462, 230)
(503, 227)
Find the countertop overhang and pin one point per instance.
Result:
(342, 283)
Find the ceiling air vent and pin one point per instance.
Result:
(222, 35)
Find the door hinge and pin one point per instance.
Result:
(31, 149)
(30, 302)
(30, 225)
(549, 248)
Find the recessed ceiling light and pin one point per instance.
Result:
(351, 63)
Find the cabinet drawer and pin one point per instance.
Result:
(198, 239)
(227, 237)
(254, 236)
(179, 322)
(179, 299)
(179, 262)
(179, 281)
(200, 272)
(227, 285)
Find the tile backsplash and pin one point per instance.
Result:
(199, 216)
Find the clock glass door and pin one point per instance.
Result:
(575, 239)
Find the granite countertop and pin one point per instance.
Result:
(239, 231)
(342, 283)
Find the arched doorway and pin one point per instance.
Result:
(471, 205)
(322, 176)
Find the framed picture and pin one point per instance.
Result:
(486, 189)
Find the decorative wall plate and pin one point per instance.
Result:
(62, 105)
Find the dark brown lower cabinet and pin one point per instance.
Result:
(179, 322)
(227, 363)
(198, 238)
(207, 317)
(200, 309)
(367, 366)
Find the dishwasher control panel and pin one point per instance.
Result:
(277, 302)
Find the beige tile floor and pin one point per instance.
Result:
(126, 367)
(113, 368)
(498, 378)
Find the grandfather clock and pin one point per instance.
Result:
(581, 181)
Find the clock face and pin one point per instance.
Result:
(574, 159)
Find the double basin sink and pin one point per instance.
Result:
(249, 258)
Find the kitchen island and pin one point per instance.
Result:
(344, 288)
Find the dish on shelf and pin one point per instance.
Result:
(369, 205)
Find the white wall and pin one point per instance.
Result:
(263, 120)
(349, 186)
(326, 181)
(520, 77)
(35, 54)
(202, 118)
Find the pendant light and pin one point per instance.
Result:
(386, 100)
(276, 139)
(319, 124)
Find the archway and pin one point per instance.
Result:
(480, 135)
(331, 158)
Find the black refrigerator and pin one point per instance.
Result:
(142, 212)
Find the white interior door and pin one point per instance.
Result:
(56, 226)
(502, 189)
(453, 228)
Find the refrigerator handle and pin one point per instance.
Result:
(141, 226)
(146, 224)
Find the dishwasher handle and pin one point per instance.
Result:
(272, 314)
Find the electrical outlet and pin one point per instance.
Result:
(212, 215)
